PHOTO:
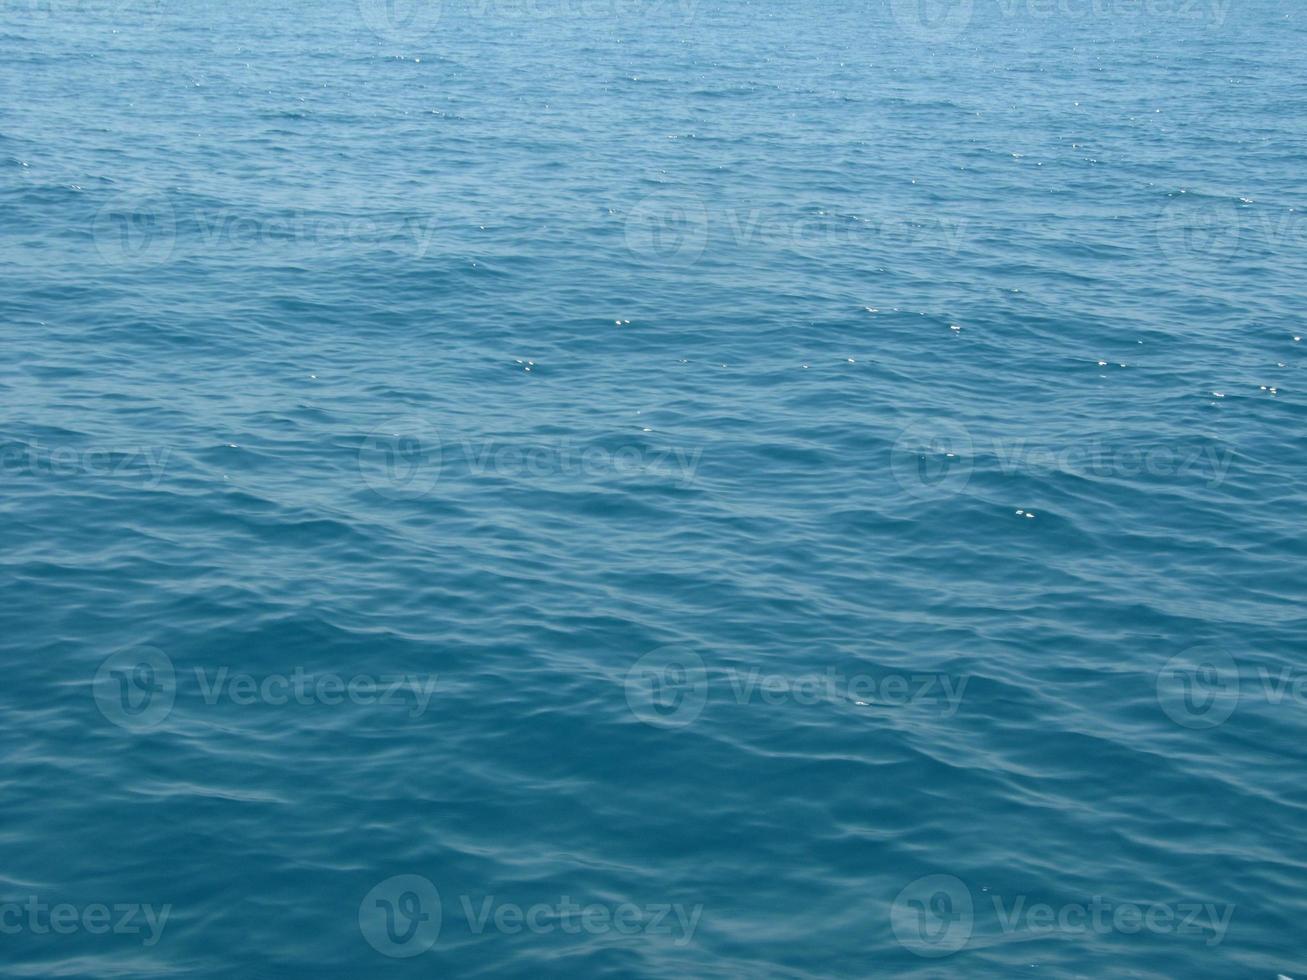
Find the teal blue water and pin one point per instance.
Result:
(653, 489)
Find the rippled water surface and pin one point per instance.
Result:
(653, 489)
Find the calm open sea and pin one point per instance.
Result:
(653, 488)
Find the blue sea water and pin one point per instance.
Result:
(653, 489)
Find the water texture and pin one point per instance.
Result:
(653, 489)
